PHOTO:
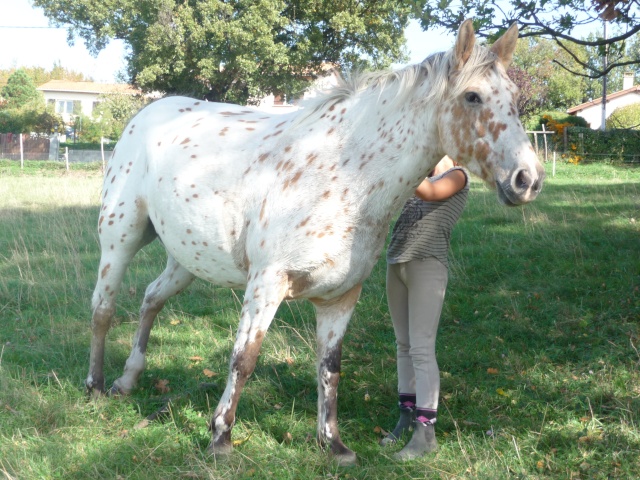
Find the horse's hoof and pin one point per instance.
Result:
(388, 440)
(115, 391)
(220, 451)
(93, 390)
(345, 459)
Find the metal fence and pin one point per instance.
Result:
(15, 146)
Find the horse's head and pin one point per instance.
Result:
(478, 120)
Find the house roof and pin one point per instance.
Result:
(635, 90)
(87, 87)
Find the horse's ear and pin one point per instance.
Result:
(465, 41)
(505, 45)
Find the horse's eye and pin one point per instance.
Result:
(472, 97)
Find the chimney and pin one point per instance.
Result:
(627, 80)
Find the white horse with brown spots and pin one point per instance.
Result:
(297, 206)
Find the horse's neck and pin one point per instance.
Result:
(400, 148)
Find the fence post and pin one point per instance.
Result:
(21, 153)
(66, 157)
(102, 151)
(544, 136)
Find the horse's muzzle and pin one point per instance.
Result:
(523, 186)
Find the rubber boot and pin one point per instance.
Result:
(422, 441)
(405, 424)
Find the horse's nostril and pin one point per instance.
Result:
(537, 186)
(522, 179)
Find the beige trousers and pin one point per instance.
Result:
(415, 294)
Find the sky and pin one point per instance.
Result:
(27, 40)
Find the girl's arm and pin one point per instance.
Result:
(443, 188)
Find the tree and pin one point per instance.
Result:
(20, 91)
(532, 92)
(625, 117)
(236, 50)
(39, 75)
(558, 88)
(114, 111)
(556, 19)
(27, 120)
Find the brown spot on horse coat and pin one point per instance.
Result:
(105, 270)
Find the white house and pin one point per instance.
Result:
(279, 104)
(72, 98)
(592, 111)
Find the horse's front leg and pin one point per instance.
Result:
(172, 281)
(263, 294)
(332, 319)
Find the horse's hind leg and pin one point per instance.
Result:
(112, 268)
(120, 240)
(172, 281)
(332, 319)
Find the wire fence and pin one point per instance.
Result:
(572, 143)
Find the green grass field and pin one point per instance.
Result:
(539, 348)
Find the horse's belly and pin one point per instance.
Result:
(199, 230)
(204, 256)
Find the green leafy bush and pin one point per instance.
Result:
(609, 145)
(536, 121)
(625, 117)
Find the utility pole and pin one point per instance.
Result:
(605, 61)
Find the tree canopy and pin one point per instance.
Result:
(20, 90)
(627, 117)
(560, 20)
(40, 75)
(236, 50)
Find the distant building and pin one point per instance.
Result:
(282, 104)
(73, 98)
(592, 111)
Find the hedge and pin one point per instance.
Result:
(593, 145)
(87, 146)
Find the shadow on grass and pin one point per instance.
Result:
(546, 295)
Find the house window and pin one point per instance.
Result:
(64, 106)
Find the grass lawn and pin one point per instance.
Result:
(539, 348)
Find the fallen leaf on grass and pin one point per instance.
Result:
(492, 371)
(237, 443)
(141, 424)
(162, 386)
(9, 409)
(175, 321)
(378, 429)
(196, 358)
(289, 360)
(209, 373)
(500, 391)
(288, 438)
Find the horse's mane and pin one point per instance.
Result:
(441, 72)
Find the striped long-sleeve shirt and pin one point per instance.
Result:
(424, 228)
